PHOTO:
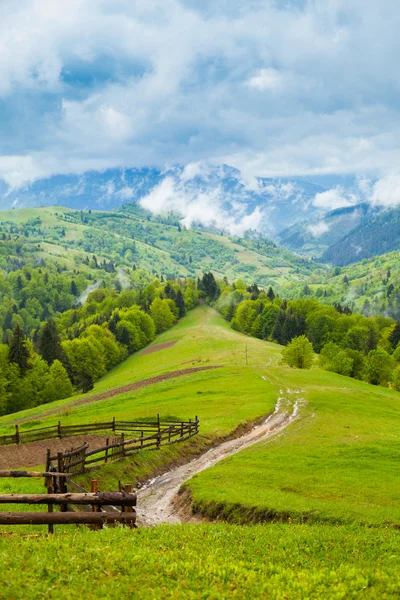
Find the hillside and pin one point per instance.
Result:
(313, 238)
(377, 235)
(371, 286)
(333, 465)
(137, 238)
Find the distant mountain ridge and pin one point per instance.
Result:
(376, 235)
(281, 202)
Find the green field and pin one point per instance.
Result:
(204, 561)
(330, 479)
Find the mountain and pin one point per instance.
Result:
(313, 238)
(376, 235)
(216, 196)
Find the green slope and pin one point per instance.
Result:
(160, 247)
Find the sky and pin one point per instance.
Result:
(274, 88)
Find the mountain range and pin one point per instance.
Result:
(221, 198)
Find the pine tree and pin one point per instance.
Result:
(180, 303)
(270, 294)
(74, 289)
(394, 337)
(18, 352)
(49, 344)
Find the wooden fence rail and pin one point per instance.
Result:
(80, 460)
(60, 431)
(101, 505)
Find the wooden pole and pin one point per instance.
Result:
(68, 518)
(106, 451)
(59, 430)
(17, 434)
(94, 488)
(50, 505)
(123, 498)
(128, 491)
(16, 474)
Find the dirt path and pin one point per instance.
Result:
(123, 389)
(158, 347)
(34, 454)
(157, 500)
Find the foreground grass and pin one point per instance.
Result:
(204, 561)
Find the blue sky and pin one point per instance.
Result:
(291, 88)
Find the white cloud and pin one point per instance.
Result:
(206, 208)
(266, 79)
(334, 198)
(318, 229)
(386, 191)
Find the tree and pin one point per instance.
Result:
(299, 353)
(59, 385)
(50, 344)
(396, 378)
(180, 303)
(270, 294)
(379, 367)
(19, 351)
(394, 337)
(162, 315)
(335, 359)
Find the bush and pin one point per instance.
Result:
(379, 367)
(299, 353)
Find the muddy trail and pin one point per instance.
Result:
(158, 501)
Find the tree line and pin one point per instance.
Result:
(73, 350)
(351, 344)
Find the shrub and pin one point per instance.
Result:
(299, 353)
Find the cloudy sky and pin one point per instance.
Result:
(274, 88)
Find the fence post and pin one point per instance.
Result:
(113, 424)
(49, 506)
(197, 424)
(17, 434)
(106, 456)
(159, 431)
(141, 436)
(61, 480)
(182, 430)
(122, 444)
(128, 509)
(94, 488)
(59, 429)
(47, 461)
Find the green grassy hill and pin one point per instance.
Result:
(371, 286)
(158, 246)
(332, 471)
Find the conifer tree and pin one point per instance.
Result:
(18, 349)
(180, 303)
(49, 344)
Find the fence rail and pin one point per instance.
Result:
(157, 434)
(60, 431)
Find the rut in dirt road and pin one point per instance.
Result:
(156, 500)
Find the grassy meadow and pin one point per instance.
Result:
(204, 561)
(326, 488)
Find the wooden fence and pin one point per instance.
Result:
(80, 460)
(60, 431)
(100, 507)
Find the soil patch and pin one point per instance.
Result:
(158, 347)
(34, 454)
(125, 388)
